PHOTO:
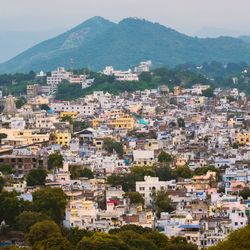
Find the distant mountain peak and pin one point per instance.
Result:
(129, 20)
(98, 42)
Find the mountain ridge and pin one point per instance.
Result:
(98, 42)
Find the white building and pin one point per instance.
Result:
(143, 67)
(148, 186)
(143, 157)
(128, 75)
(83, 109)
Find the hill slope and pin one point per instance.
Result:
(99, 42)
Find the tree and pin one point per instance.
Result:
(86, 172)
(79, 125)
(162, 202)
(181, 122)
(77, 171)
(43, 231)
(36, 177)
(3, 136)
(182, 172)
(245, 193)
(74, 235)
(164, 172)
(28, 218)
(1, 183)
(67, 118)
(21, 102)
(11, 207)
(132, 227)
(208, 92)
(136, 241)
(159, 239)
(239, 239)
(55, 160)
(44, 107)
(164, 157)
(204, 170)
(6, 169)
(111, 145)
(53, 243)
(51, 201)
(145, 77)
(102, 241)
(135, 198)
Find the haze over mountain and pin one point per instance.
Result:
(99, 42)
(13, 42)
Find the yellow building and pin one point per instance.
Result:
(96, 123)
(243, 138)
(63, 137)
(73, 115)
(15, 137)
(125, 122)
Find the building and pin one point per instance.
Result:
(122, 76)
(143, 157)
(22, 164)
(143, 67)
(63, 137)
(149, 186)
(124, 122)
(33, 90)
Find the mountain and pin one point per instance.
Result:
(245, 38)
(99, 42)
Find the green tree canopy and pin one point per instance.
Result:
(43, 231)
(245, 193)
(6, 169)
(135, 198)
(21, 101)
(51, 201)
(36, 177)
(53, 243)
(1, 183)
(162, 202)
(55, 160)
(102, 241)
(74, 235)
(208, 92)
(111, 145)
(181, 122)
(78, 171)
(28, 218)
(67, 118)
(11, 207)
(164, 157)
(239, 239)
(136, 241)
(44, 107)
(3, 136)
(183, 172)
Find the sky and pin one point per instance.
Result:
(192, 17)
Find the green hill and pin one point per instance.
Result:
(99, 42)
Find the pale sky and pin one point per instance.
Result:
(229, 17)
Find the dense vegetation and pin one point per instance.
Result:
(157, 77)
